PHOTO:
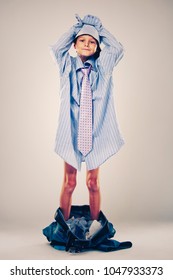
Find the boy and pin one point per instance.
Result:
(88, 134)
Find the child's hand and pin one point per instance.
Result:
(92, 20)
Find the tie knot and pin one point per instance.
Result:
(86, 70)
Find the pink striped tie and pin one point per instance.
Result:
(85, 115)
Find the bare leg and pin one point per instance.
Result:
(69, 184)
(92, 181)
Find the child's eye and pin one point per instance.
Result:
(92, 42)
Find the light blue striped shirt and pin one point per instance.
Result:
(107, 139)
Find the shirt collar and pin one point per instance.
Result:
(80, 64)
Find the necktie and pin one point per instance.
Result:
(85, 115)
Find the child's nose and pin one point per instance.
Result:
(86, 43)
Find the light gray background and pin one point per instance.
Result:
(136, 184)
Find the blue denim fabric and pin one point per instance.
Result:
(71, 235)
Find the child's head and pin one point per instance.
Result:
(86, 43)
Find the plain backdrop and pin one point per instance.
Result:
(137, 183)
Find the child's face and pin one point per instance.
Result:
(85, 46)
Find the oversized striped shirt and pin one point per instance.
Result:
(107, 139)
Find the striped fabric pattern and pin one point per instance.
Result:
(107, 139)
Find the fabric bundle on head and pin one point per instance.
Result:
(89, 30)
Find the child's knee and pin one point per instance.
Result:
(69, 178)
(70, 183)
(92, 184)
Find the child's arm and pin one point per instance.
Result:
(60, 49)
(113, 50)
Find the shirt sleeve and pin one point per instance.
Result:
(112, 52)
(60, 50)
